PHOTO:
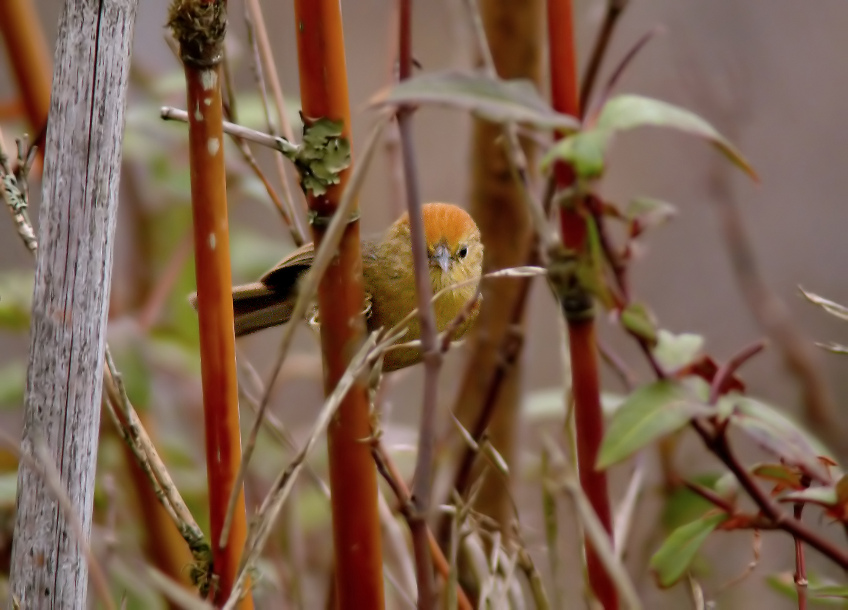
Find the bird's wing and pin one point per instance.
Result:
(283, 277)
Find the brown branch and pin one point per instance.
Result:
(199, 26)
(614, 10)
(432, 355)
(389, 471)
(729, 368)
(719, 445)
(262, 49)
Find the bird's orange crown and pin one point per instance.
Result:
(444, 222)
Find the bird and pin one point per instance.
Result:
(454, 254)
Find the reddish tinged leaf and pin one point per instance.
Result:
(784, 477)
(706, 368)
(779, 435)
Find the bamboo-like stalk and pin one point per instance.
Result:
(30, 58)
(582, 341)
(199, 27)
(353, 477)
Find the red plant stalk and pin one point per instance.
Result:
(29, 56)
(199, 28)
(581, 332)
(353, 475)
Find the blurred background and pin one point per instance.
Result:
(765, 74)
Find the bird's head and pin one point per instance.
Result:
(454, 249)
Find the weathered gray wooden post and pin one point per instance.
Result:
(71, 299)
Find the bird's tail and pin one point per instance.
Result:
(256, 307)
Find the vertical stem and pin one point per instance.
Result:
(199, 27)
(581, 329)
(421, 490)
(353, 477)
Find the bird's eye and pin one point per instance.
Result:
(463, 252)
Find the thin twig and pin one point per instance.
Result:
(599, 50)
(432, 355)
(169, 113)
(131, 430)
(729, 368)
(13, 189)
(719, 445)
(800, 575)
(590, 114)
(257, 20)
(390, 473)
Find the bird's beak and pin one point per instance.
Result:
(442, 257)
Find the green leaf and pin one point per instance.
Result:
(652, 411)
(630, 111)
(778, 434)
(676, 351)
(831, 307)
(671, 561)
(638, 321)
(684, 505)
(586, 151)
(496, 100)
(15, 300)
(778, 473)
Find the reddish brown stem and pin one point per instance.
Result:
(800, 564)
(199, 28)
(729, 368)
(718, 444)
(353, 477)
(614, 10)
(581, 329)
